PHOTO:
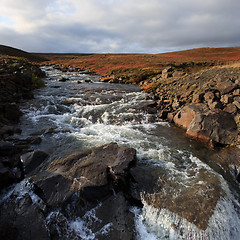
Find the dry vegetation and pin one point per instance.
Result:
(134, 68)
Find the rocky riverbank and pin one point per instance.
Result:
(18, 77)
(205, 103)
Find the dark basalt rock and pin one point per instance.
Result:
(92, 173)
(20, 218)
(32, 160)
(72, 185)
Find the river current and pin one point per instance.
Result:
(82, 112)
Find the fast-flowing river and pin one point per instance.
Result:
(191, 184)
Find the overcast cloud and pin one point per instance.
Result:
(148, 26)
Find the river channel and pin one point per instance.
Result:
(83, 112)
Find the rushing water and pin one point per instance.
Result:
(77, 114)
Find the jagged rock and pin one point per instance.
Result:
(6, 130)
(178, 74)
(21, 218)
(231, 108)
(198, 98)
(32, 160)
(92, 173)
(226, 85)
(54, 189)
(11, 112)
(115, 210)
(201, 124)
(215, 105)
(236, 92)
(63, 79)
(6, 177)
(237, 104)
(226, 99)
(209, 97)
(6, 148)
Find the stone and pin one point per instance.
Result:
(6, 177)
(32, 160)
(63, 79)
(226, 99)
(226, 86)
(186, 115)
(236, 92)
(21, 218)
(6, 130)
(215, 105)
(200, 123)
(12, 112)
(209, 97)
(115, 210)
(6, 148)
(54, 189)
(178, 74)
(237, 104)
(166, 75)
(198, 98)
(163, 114)
(231, 108)
(94, 174)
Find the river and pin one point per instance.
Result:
(82, 112)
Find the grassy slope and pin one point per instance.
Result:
(139, 67)
(14, 52)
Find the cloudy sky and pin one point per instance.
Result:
(147, 26)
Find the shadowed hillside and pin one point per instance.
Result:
(10, 51)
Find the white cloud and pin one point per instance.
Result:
(118, 25)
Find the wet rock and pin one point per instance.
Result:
(54, 189)
(115, 211)
(6, 130)
(11, 112)
(32, 160)
(144, 181)
(21, 218)
(6, 177)
(92, 174)
(6, 148)
(63, 79)
(196, 203)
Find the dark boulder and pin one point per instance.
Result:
(226, 85)
(94, 174)
(6, 149)
(32, 160)
(54, 189)
(22, 218)
(115, 212)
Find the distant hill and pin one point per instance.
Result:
(10, 51)
(205, 54)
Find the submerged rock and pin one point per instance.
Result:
(94, 180)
